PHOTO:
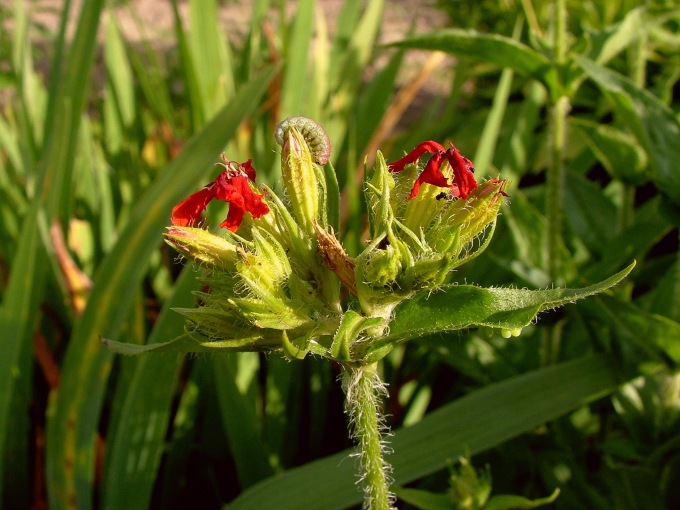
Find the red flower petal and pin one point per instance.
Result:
(189, 210)
(432, 174)
(247, 167)
(230, 186)
(463, 177)
(413, 156)
(241, 198)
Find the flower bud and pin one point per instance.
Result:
(203, 247)
(464, 220)
(302, 179)
(469, 489)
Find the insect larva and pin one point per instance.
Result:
(312, 132)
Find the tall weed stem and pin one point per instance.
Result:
(363, 391)
(555, 174)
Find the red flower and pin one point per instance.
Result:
(463, 177)
(230, 186)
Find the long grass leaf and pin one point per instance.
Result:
(469, 425)
(296, 74)
(74, 413)
(134, 449)
(27, 276)
(238, 409)
(209, 55)
(497, 49)
(489, 138)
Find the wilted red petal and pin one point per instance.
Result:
(413, 156)
(241, 198)
(431, 174)
(463, 178)
(189, 210)
(230, 186)
(247, 167)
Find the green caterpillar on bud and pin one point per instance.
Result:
(312, 132)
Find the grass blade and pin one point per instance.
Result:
(134, 449)
(294, 89)
(74, 413)
(26, 279)
(471, 424)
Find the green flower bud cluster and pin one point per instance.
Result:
(279, 279)
(267, 283)
(417, 243)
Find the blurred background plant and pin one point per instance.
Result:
(574, 102)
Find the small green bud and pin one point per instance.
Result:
(203, 247)
(430, 271)
(466, 219)
(302, 179)
(469, 489)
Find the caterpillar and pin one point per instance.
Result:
(312, 132)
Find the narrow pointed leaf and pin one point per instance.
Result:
(184, 343)
(134, 449)
(494, 48)
(74, 412)
(465, 306)
(469, 425)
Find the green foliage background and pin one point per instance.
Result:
(579, 112)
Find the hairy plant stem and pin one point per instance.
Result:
(363, 391)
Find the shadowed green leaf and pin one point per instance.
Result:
(654, 124)
(469, 425)
(238, 407)
(25, 286)
(134, 449)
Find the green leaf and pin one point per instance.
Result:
(25, 286)
(74, 413)
(183, 343)
(134, 449)
(352, 325)
(650, 331)
(511, 501)
(637, 23)
(653, 123)
(465, 306)
(119, 74)
(424, 500)
(238, 408)
(617, 150)
(489, 138)
(469, 425)
(494, 48)
(591, 214)
(294, 89)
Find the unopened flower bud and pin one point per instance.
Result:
(203, 247)
(302, 178)
(466, 219)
